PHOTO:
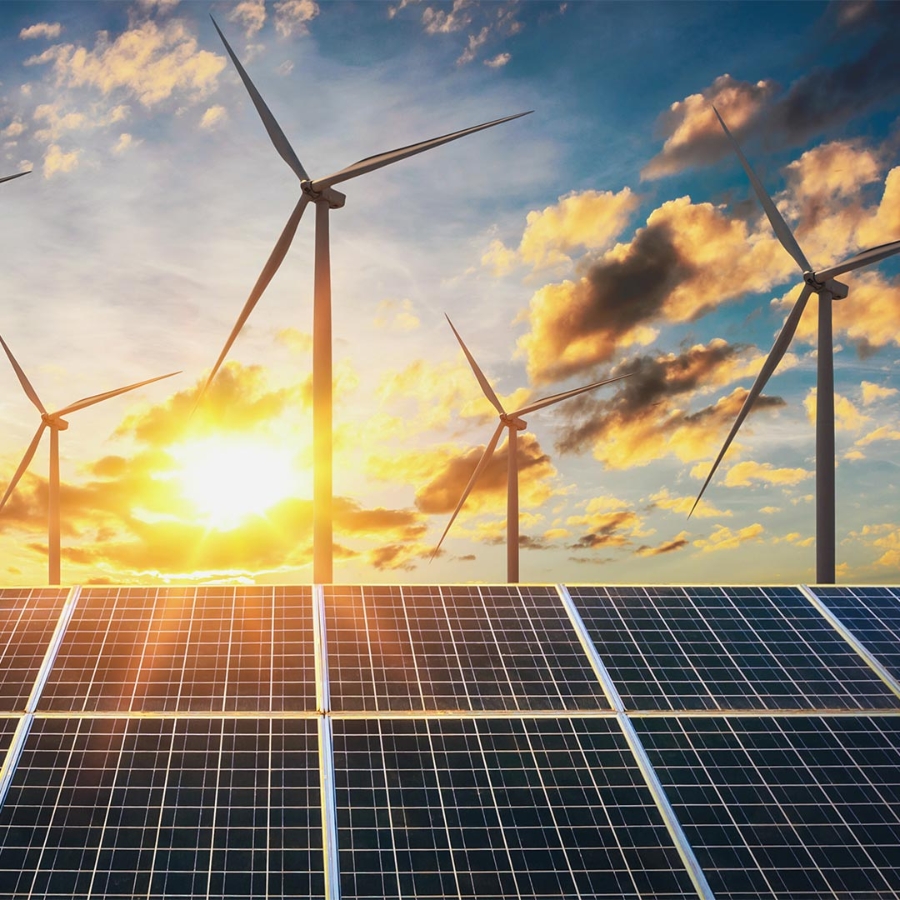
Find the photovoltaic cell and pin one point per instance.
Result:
(214, 649)
(873, 615)
(497, 808)
(28, 617)
(797, 807)
(418, 647)
(164, 808)
(725, 648)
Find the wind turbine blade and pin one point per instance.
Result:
(23, 380)
(26, 460)
(97, 398)
(276, 257)
(277, 136)
(782, 232)
(556, 398)
(10, 177)
(485, 384)
(779, 348)
(485, 459)
(370, 163)
(872, 255)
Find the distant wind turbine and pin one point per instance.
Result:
(514, 424)
(11, 177)
(321, 192)
(822, 283)
(55, 423)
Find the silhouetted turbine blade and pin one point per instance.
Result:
(97, 398)
(872, 255)
(275, 259)
(782, 232)
(23, 380)
(10, 177)
(26, 460)
(282, 145)
(779, 348)
(485, 458)
(370, 163)
(485, 384)
(556, 398)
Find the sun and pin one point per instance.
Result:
(229, 479)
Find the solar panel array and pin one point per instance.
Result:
(450, 742)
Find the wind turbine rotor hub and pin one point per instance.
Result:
(514, 422)
(53, 421)
(837, 289)
(334, 199)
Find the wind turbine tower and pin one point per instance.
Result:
(823, 284)
(321, 192)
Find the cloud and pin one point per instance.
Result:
(641, 422)
(883, 433)
(724, 538)
(693, 133)
(47, 30)
(250, 15)
(294, 16)
(871, 392)
(475, 41)
(151, 62)
(498, 61)
(213, 117)
(124, 142)
(588, 220)
(13, 130)
(846, 416)
(688, 260)
(743, 474)
(679, 542)
(57, 160)
(683, 505)
(439, 21)
(396, 315)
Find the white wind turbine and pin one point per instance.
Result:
(321, 192)
(514, 424)
(815, 282)
(55, 423)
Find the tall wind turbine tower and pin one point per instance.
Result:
(513, 423)
(321, 192)
(823, 284)
(56, 423)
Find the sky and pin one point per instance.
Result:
(611, 231)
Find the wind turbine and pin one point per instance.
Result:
(321, 192)
(11, 177)
(823, 283)
(56, 423)
(514, 424)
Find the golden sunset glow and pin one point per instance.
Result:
(229, 479)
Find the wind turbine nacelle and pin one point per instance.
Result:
(838, 289)
(55, 422)
(514, 422)
(334, 199)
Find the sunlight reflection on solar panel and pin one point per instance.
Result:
(28, 618)
(206, 649)
(431, 648)
(726, 648)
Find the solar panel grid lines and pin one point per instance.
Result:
(869, 619)
(689, 647)
(440, 648)
(793, 807)
(489, 808)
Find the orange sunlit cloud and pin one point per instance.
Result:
(723, 538)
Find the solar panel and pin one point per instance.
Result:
(164, 807)
(28, 618)
(204, 649)
(798, 807)
(418, 647)
(490, 808)
(725, 648)
(873, 615)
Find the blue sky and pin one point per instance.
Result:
(611, 231)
